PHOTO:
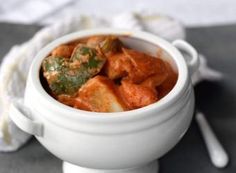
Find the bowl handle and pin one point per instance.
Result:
(20, 115)
(193, 60)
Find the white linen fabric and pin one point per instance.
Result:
(16, 63)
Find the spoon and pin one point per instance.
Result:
(216, 151)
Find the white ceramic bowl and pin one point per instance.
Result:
(128, 141)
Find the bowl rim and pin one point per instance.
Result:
(169, 99)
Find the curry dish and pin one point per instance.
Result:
(101, 74)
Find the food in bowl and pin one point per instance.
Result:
(102, 74)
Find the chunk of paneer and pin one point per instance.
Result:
(143, 65)
(63, 51)
(101, 95)
(137, 95)
(135, 65)
(116, 66)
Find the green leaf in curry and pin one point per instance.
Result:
(66, 77)
(67, 83)
(89, 59)
(53, 64)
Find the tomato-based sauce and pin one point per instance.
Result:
(101, 74)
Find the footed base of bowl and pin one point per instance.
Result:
(149, 168)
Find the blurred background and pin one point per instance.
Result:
(191, 13)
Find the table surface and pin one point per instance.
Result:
(216, 99)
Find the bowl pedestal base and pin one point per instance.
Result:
(149, 168)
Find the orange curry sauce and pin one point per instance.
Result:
(101, 74)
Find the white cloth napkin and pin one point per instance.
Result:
(16, 63)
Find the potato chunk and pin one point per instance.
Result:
(101, 95)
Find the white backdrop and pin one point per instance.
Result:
(190, 12)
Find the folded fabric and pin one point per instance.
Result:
(16, 63)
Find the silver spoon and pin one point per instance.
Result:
(217, 153)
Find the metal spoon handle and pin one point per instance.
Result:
(216, 151)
